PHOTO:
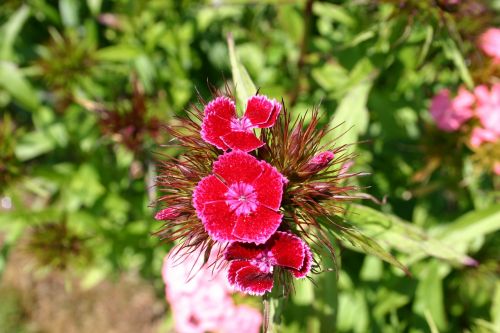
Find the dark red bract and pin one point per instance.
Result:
(251, 266)
(222, 128)
(240, 200)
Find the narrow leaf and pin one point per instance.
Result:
(245, 88)
(13, 81)
(10, 30)
(403, 236)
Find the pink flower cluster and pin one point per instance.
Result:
(482, 105)
(489, 42)
(200, 298)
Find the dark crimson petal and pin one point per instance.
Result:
(274, 115)
(259, 109)
(251, 280)
(219, 221)
(213, 128)
(222, 106)
(217, 121)
(237, 166)
(234, 267)
(269, 186)
(288, 250)
(258, 226)
(241, 251)
(306, 266)
(244, 141)
(208, 189)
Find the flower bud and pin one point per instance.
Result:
(169, 213)
(319, 162)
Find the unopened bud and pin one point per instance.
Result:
(319, 161)
(169, 213)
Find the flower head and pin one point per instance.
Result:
(481, 135)
(489, 42)
(293, 183)
(449, 114)
(488, 107)
(240, 200)
(222, 128)
(251, 266)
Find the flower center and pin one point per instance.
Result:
(264, 262)
(241, 125)
(241, 198)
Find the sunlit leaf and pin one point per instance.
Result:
(402, 236)
(245, 87)
(13, 81)
(10, 30)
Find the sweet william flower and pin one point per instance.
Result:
(489, 42)
(240, 200)
(222, 128)
(251, 266)
(449, 114)
(488, 107)
(481, 135)
(496, 168)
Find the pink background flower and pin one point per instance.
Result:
(449, 114)
(489, 42)
(488, 107)
(240, 201)
(200, 297)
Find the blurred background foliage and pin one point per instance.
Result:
(85, 87)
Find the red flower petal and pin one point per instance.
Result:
(252, 281)
(258, 226)
(242, 251)
(218, 221)
(237, 166)
(261, 111)
(288, 250)
(217, 121)
(269, 186)
(244, 141)
(209, 189)
(234, 267)
(306, 266)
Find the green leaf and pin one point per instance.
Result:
(452, 52)
(120, 53)
(495, 307)
(368, 245)
(429, 295)
(333, 12)
(245, 88)
(94, 6)
(33, 144)
(69, 12)
(13, 81)
(10, 30)
(463, 232)
(402, 235)
(351, 116)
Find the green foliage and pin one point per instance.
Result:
(78, 79)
